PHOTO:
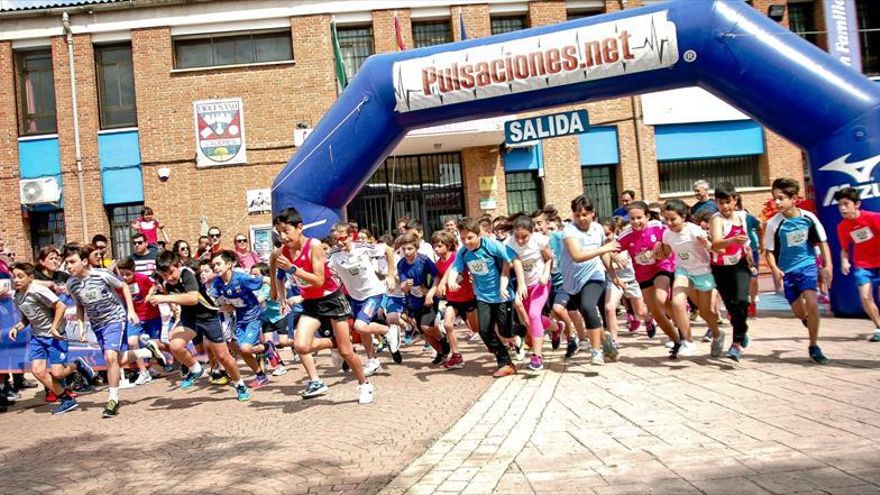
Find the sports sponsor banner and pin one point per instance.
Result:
(843, 32)
(625, 46)
(220, 136)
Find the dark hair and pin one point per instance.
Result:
(582, 202)
(470, 225)
(75, 248)
(725, 190)
(415, 224)
(227, 256)
(178, 243)
(125, 264)
(789, 187)
(203, 237)
(523, 222)
(263, 267)
(27, 268)
(703, 215)
(214, 227)
(138, 236)
(678, 206)
(550, 210)
(555, 219)
(166, 260)
(146, 211)
(346, 226)
(445, 238)
(388, 240)
(638, 205)
(536, 213)
(99, 238)
(45, 251)
(484, 222)
(631, 193)
(288, 216)
(408, 238)
(849, 193)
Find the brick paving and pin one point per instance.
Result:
(774, 423)
(166, 440)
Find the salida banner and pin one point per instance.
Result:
(610, 49)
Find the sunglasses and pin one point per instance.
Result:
(183, 248)
(138, 243)
(241, 241)
(214, 236)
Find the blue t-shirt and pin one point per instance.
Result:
(792, 240)
(752, 224)
(422, 271)
(704, 205)
(240, 293)
(485, 264)
(576, 275)
(620, 211)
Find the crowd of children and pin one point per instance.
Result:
(509, 281)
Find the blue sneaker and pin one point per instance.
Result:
(314, 389)
(258, 381)
(817, 356)
(68, 404)
(83, 367)
(735, 352)
(408, 337)
(746, 341)
(191, 378)
(242, 393)
(875, 337)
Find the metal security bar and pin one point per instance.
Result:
(679, 175)
(600, 184)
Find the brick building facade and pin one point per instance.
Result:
(278, 97)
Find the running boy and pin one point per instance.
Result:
(150, 318)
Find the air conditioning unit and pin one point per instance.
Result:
(40, 191)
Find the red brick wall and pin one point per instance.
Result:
(13, 228)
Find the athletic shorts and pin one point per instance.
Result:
(560, 297)
(393, 304)
(205, 329)
(48, 349)
(462, 308)
(334, 306)
(367, 309)
(802, 279)
(631, 289)
(111, 337)
(865, 276)
(248, 333)
(151, 328)
(701, 283)
(650, 282)
(425, 316)
(280, 326)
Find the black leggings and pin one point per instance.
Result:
(589, 300)
(733, 285)
(490, 315)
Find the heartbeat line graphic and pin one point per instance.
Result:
(656, 45)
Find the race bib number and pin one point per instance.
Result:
(731, 259)
(235, 301)
(91, 296)
(528, 266)
(645, 258)
(478, 267)
(796, 238)
(416, 291)
(684, 255)
(147, 225)
(135, 289)
(861, 235)
(353, 270)
(5, 283)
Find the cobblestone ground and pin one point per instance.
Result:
(166, 440)
(774, 423)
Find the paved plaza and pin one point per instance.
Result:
(774, 423)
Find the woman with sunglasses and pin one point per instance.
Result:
(184, 253)
(246, 257)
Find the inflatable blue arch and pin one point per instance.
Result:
(724, 46)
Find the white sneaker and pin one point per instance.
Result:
(365, 393)
(688, 349)
(124, 383)
(668, 344)
(143, 378)
(521, 354)
(584, 346)
(371, 367)
(336, 359)
(598, 357)
(393, 338)
(281, 370)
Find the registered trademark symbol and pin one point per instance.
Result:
(690, 56)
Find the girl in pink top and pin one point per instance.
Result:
(655, 275)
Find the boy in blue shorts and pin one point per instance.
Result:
(416, 273)
(41, 309)
(95, 294)
(790, 241)
(235, 290)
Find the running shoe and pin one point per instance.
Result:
(735, 352)
(393, 340)
(707, 337)
(597, 357)
(506, 370)
(438, 358)
(83, 367)
(556, 335)
(816, 355)
(651, 329)
(258, 381)
(746, 341)
(184, 370)
(272, 354)
(584, 346)
(125, 382)
(365, 393)
(242, 393)
(314, 389)
(68, 404)
(687, 349)
(191, 379)
(632, 322)
(143, 378)
(718, 345)
(111, 409)
(336, 359)
(154, 372)
(408, 336)
(875, 337)
(281, 370)
(22, 383)
(753, 310)
(473, 337)
(444, 347)
(346, 367)
(536, 363)
(616, 344)
(51, 396)
(220, 378)
(608, 348)
(371, 367)
(397, 357)
(153, 347)
(454, 362)
(571, 349)
(676, 347)
(520, 353)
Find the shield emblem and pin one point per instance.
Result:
(220, 132)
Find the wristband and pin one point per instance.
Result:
(292, 269)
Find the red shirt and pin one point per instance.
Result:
(465, 293)
(304, 261)
(861, 237)
(139, 289)
(150, 229)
